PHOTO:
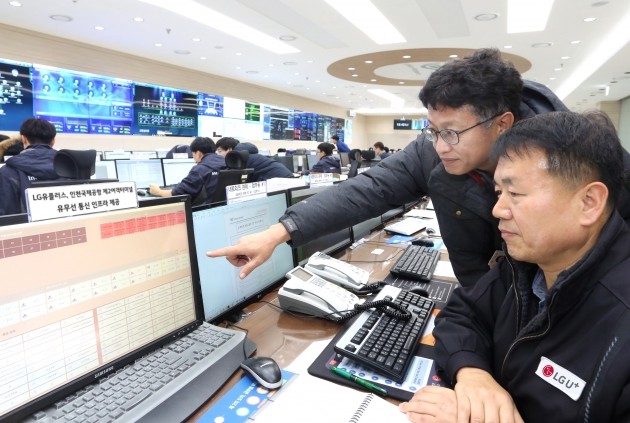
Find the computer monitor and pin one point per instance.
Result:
(176, 169)
(287, 161)
(345, 159)
(144, 155)
(223, 292)
(105, 169)
(328, 244)
(91, 294)
(116, 154)
(311, 159)
(299, 162)
(142, 172)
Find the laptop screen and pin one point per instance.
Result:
(84, 295)
(142, 172)
(216, 227)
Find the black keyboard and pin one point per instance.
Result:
(383, 343)
(417, 263)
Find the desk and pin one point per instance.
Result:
(283, 336)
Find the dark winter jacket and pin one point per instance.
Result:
(203, 174)
(327, 164)
(33, 164)
(264, 167)
(580, 342)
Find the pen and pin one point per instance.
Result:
(366, 384)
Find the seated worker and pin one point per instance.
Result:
(543, 336)
(203, 175)
(342, 147)
(10, 146)
(179, 149)
(327, 163)
(35, 163)
(264, 167)
(381, 151)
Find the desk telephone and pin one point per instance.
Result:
(338, 272)
(307, 293)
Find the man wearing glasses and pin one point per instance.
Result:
(470, 102)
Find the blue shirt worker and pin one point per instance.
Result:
(342, 147)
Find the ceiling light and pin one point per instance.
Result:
(576, 42)
(290, 63)
(61, 18)
(611, 43)
(368, 61)
(206, 16)
(486, 17)
(183, 52)
(453, 56)
(541, 45)
(369, 20)
(203, 58)
(288, 38)
(99, 28)
(372, 80)
(607, 90)
(354, 75)
(158, 44)
(351, 68)
(15, 3)
(565, 57)
(138, 19)
(406, 56)
(507, 47)
(589, 19)
(528, 15)
(196, 39)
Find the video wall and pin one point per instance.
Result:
(83, 103)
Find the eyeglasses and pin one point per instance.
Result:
(451, 136)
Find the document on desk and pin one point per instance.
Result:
(307, 399)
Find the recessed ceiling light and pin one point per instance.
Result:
(138, 19)
(589, 19)
(203, 58)
(401, 82)
(368, 19)
(238, 53)
(61, 18)
(453, 56)
(565, 57)
(406, 56)
(576, 42)
(158, 44)
(486, 17)
(542, 45)
(15, 3)
(368, 61)
(354, 75)
(372, 80)
(288, 38)
(557, 69)
(309, 61)
(289, 63)
(182, 52)
(196, 39)
(99, 28)
(527, 15)
(351, 68)
(553, 78)
(507, 46)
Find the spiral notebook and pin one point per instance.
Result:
(307, 399)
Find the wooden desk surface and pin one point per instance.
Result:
(283, 336)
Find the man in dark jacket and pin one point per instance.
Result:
(326, 163)
(544, 335)
(35, 163)
(203, 175)
(470, 102)
(264, 167)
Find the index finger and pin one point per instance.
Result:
(224, 252)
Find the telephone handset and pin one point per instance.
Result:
(337, 271)
(307, 293)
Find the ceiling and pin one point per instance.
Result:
(328, 44)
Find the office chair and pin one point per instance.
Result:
(355, 162)
(75, 164)
(236, 173)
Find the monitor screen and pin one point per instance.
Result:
(176, 169)
(210, 105)
(345, 159)
(105, 169)
(252, 112)
(142, 172)
(116, 154)
(16, 95)
(222, 290)
(164, 111)
(81, 102)
(112, 290)
(144, 155)
(328, 244)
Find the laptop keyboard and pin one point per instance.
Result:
(384, 343)
(133, 391)
(417, 263)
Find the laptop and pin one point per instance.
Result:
(407, 226)
(103, 320)
(143, 172)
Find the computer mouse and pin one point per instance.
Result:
(430, 231)
(142, 192)
(424, 241)
(420, 291)
(265, 370)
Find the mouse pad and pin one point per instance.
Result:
(328, 357)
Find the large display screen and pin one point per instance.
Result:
(82, 103)
(16, 95)
(210, 105)
(164, 111)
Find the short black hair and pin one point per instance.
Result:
(580, 148)
(379, 145)
(227, 143)
(485, 81)
(335, 137)
(38, 131)
(326, 148)
(203, 144)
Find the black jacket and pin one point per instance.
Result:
(327, 164)
(203, 174)
(34, 163)
(495, 325)
(264, 167)
(463, 204)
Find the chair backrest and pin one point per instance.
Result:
(75, 164)
(355, 162)
(237, 159)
